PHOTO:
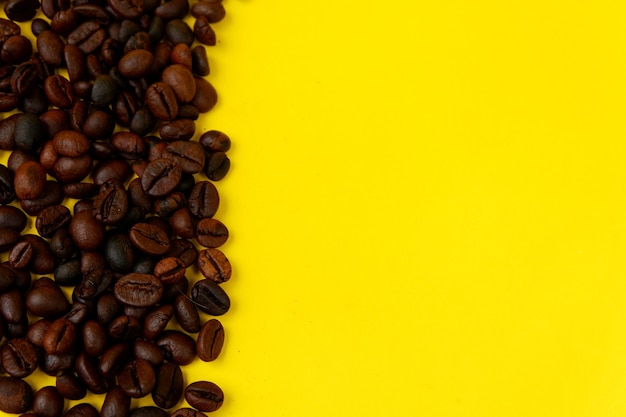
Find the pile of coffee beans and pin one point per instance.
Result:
(104, 121)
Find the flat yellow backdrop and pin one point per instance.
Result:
(427, 206)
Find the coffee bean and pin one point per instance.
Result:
(181, 129)
(188, 156)
(169, 386)
(137, 379)
(184, 250)
(51, 219)
(94, 338)
(204, 396)
(204, 32)
(139, 290)
(111, 169)
(30, 180)
(99, 125)
(113, 360)
(13, 306)
(161, 101)
(206, 96)
(60, 337)
(80, 190)
(104, 90)
(160, 177)
(173, 9)
(203, 199)
(70, 387)
(128, 9)
(128, 145)
(48, 402)
(52, 194)
(124, 328)
(217, 166)
(88, 371)
(45, 299)
(21, 10)
(16, 49)
(87, 233)
(211, 233)
(59, 91)
(116, 403)
(8, 238)
(156, 321)
(111, 204)
(211, 10)
(148, 351)
(16, 396)
(200, 61)
(36, 332)
(136, 63)
(178, 347)
(210, 297)
(181, 54)
(50, 47)
(88, 36)
(19, 358)
(210, 340)
(187, 314)
(82, 410)
(181, 80)
(148, 411)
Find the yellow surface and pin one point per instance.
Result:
(427, 205)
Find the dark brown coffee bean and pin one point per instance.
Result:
(125, 107)
(179, 347)
(45, 299)
(210, 340)
(181, 80)
(183, 249)
(92, 12)
(128, 145)
(116, 403)
(10, 101)
(138, 290)
(187, 412)
(7, 180)
(30, 180)
(78, 313)
(16, 396)
(204, 396)
(136, 63)
(124, 328)
(170, 270)
(169, 386)
(16, 50)
(48, 402)
(82, 410)
(104, 90)
(149, 239)
(178, 130)
(42, 261)
(36, 332)
(206, 96)
(88, 36)
(12, 218)
(217, 166)
(93, 284)
(111, 169)
(128, 9)
(177, 31)
(80, 190)
(88, 371)
(187, 314)
(21, 10)
(137, 379)
(210, 297)
(87, 233)
(12, 306)
(52, 218)
(114, 359)
(70, 143)
(52, 194)
(60, 337)
(50, 47)
(107, 308)
(212, 11)
(99, 125)
(70, 387)
(148, 351)
(166, 206)
(173, 9)
(211, 233)
(204, 32)
(59, 91)
(111, 204)
(19, 358)
(161, 101)
(75, 63)
(203, 199)
(51, 7)
(200, 61)
(68, 273)
(156, 321)
(8, 238)
(8, 28)
(160, 177)
(181, 54)
(94, 338)
(183, 223)
(94, 67)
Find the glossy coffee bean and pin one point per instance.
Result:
(19, 358)
(82, 410)
(169, 386)
(204, 396)
(214, 265)
(149, 239)
(170, 270)
(124, 328)
(87, 370)
(16, 396)
(70, 386)
(51, 219)
(68, 273)
(30, 180)
(184, 223)
(211, 233)
(184, 250)
(59, 91)
(114, 359)
(188, 156)
(87, 233)
(48, 402)
(111, 204)
(45, 299)
(59, 337)
(210, 340)
(217, 166)
(161, 101)
(187, 314)
(138, 290)
(116, 403)
(211, 10)
(204, 32)
(50, 47)
(8, 238)
(94, 337)
(210, 297)
(137, 379)
(7, 188)
(178, 347)
(206, 96)
(203, 199)
(88, 36)
(148, 351)
(200, 61)
(13, 306)
(36, 332)
(51, 195)
(180, 129)
(111, 169)
(156, 321)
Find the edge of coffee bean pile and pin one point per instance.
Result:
(118, 286)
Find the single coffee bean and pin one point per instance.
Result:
(75, 62)
(124, 328)
(200, 61)
(48, 402)
(21, 10)
(187, 314)
(111, 204)
(149, 239)
(184, 250)
(210, 297)
(136, 63)
(88, 36)
(61, 244)
(211, 233)
(93, 285)
(59, 91)
(128, 9)
(87, 233)
(137, 379)
(160, 177)
(212, 11)
(138, 290)
(51, 219)
(181, 129)
(178, 347)
(70, 386)
(52, 194)
(111, 169)
(68, 273)
(104, 90)
(19, 358)
(13, 306)
(70, 143)
(143, 121)
(156, 321)
(128, 145)
(203, 199)
(42, 261)
(170, 270)
(45, 299)
(36, 332)
(166, 206)
(204, 396)
(82, 410)
(30, 180)
(148, 351)
(210, 340)
(16, 396)
(181, 54)
(161, 101)
(60, 337)
(116, 403)
(169, 386)
(8, 238)
(173, 9)
(177, 31)
(181, 80)
(183, 223)
(107, 308)
(78, 313)
(50, 47)
(217, 166)
(99, 124)
(188, 156)
(87, 370)
(16, 49)
(204, 32)
(206, 96)
(114, 359)
(94, 338)
(80, 190)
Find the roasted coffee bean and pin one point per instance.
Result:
(169, 386)
(54, 121)
(55, 365)
(143, 121)
(204, 396)
(210, 297)
(137, 379)
(94, 67)
(148, 351)
(148, 411)
(59, 91)
(36, 332)
(99, 125)
(181, 54)
(114, 359)
(116, 403)
(211, 233)
(13, 306)
(51, 219)
(82, 410)
(187, 314)
(128, 9)
(107, 308)
(128, 145)
(92, 12)
(7, 279)
(136, 63)
(111, 204)
(179, 347)
(21, 10)
(60, 337)
(70, 143)
(211, 10)
(8, 238)
(19, 358)
(173, 9)
(52, 194)
(30, 180)
(187, 412)
(119, 253)
(124, 328)
(177, 31)
(93, 284)
(15, 330)
(61, 245)
(48, 402)
(217, 166)
(125, 107)
(181, 129)
(88, 36)
(206, 96)
(183, 223)
(70, 387)
(156, 321)
(78, 313)
(161, 101)
(181, 80)
(42, 261)
(111, 169)
(149, 239)
(183, 249)
(9, 101)
(45, 299)
(204, 32)
(203, 199)
(50, 47)
(16, 396)
(16, 49)
(94, 337)
(7, 189)
(68, 273)
(18, 157)
(104, 90)
(87, 233)
(200, 61)
(138, 290)
(170, 270)
(38, 25)
(51, 7)
(160, 177)
(210, 340)
(88, 371)
(80, 190)
(166, 206)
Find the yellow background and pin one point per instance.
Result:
(427, 207)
